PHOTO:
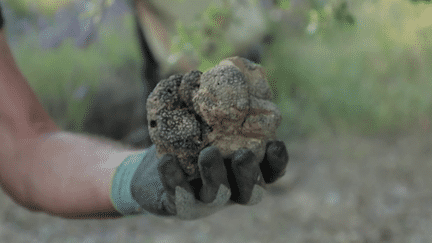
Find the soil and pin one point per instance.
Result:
(336, 189)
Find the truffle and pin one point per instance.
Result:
(228, 106)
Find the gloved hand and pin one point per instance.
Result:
(145, 183)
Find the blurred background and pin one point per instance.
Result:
(351, 78)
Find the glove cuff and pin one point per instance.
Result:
(121, 195)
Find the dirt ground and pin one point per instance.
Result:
(337, 189)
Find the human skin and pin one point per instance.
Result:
(44, 168)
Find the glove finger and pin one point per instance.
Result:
(245, 175)
(181, 197)
(275, 161)
(187, 207)
(172, 175)
(213, 173)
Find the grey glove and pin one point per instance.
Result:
(161, 187)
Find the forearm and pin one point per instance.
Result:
(45, 169)
(19, 106)
(67, 175)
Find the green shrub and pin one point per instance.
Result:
(361, 66)
(57, 74)
(369, 75)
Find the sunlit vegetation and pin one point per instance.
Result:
(361, 66)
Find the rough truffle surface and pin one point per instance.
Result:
(228, 106)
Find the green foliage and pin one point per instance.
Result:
(284, 4)
(328, 19)
(45, 6)
(370, 77)
(96, 9)
(57, 74)
(366, 70)
(205, 38)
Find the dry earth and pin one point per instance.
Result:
(337, 189)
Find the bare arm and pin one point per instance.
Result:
(43, 168)
(69, 175)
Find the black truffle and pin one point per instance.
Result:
(228, 106)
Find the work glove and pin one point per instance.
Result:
(145, 183)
